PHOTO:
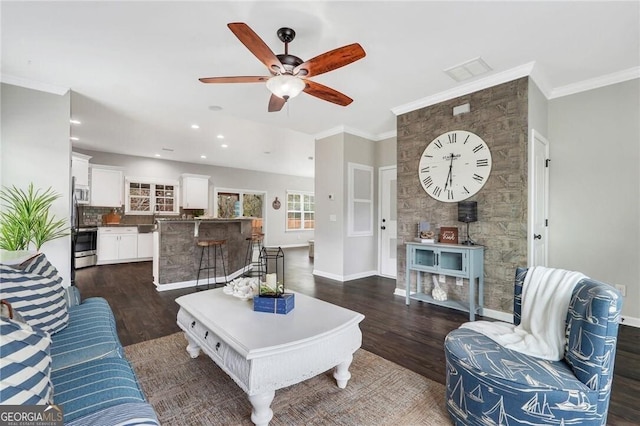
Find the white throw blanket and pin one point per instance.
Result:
(546, 294)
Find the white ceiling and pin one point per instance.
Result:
(133, 67)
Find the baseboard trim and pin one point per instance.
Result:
(343, 278)
(498, 315)
(507, 317)
(192, 283)
(288, 245)
(630, 321)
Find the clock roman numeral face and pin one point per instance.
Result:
(454, 166)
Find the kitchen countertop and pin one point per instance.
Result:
(213, 219)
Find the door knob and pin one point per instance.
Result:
(383, 227)
(537, 236)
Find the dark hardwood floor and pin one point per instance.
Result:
(411, 336)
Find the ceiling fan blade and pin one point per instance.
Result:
(326, 93)
(276, 103)
(255, 44)
(331, 60)
(236, 79)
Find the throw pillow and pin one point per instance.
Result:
(40, 300)
(26, 364)
(40, 265)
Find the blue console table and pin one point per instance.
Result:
(451, 260)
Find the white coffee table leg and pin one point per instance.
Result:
(261, 403)
(193, 348)
(341, 373)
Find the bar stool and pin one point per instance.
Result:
(217, 245)
(253, 268)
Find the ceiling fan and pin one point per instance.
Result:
(290, 74)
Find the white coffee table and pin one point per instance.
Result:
(263, 352)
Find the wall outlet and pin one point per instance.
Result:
(443, 278)
(459, 281)
(622, 289)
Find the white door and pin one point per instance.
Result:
(388, 246)
(538, 200)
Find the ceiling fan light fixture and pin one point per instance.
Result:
(285, 86)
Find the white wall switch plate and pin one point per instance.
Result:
(459, 281)
(622, 289)
(443, 278)
(333, 218)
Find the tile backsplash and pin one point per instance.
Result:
(93, 216)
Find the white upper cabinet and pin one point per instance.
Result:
(80, 168)
(195, 191)
(106, 186)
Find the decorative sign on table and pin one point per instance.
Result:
(449, 235)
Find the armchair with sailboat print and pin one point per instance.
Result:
(530, 372)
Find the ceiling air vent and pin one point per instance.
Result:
(468, 69)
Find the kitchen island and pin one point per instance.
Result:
(176, 255)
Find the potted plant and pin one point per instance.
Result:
(25, 220)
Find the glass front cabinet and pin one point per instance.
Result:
(451, 260)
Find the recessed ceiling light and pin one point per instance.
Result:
(220, 136)
(195, 126)
(74, 138)
(215, 108)
(203, 156)
(72, 121)
(267, 152)
(310, 158)
(224, 145)
(157, 155)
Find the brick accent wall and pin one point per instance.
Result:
(499, 116)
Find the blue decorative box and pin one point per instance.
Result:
(275, 305)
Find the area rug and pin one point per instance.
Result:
(186, 391)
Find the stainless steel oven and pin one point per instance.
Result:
(84, 251)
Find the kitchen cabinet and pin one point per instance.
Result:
(454, 260)
(145, 246)
(117, 244)
(80, 168)
(195, 191)
(106, 186)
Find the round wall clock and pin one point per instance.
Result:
(454, 166)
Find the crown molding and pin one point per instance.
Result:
(355, 132)
(595, 83)
(465, 89)
(387, 135)
(329, 132)
(32, 84)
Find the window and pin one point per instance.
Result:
(360, 207)
(144, 196)
(239, 203)
(300, 211)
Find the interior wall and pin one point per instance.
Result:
(360, 253)
(499, 116)
(224, 177)
(330, 219)
(36, 148)
(595, 186)
(385, 151)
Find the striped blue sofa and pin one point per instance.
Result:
(90, 378)
(489, 384)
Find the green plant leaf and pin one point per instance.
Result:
(25, 219)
